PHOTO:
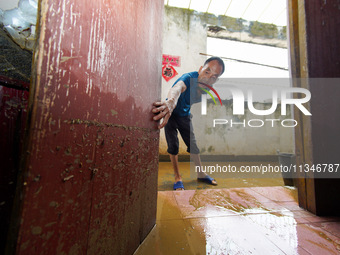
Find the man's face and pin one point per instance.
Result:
(209, 73)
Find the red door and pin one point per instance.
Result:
(89, 182)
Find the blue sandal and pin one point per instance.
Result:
(178, 185)
(207, 179)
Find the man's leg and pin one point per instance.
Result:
(174, 161)
(197, 161)
(171, 136)
(187, 132)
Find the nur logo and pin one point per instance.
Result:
(208, 92)
(239, 100)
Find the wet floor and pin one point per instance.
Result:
(246, 220)
(262, 220)
(166, 178)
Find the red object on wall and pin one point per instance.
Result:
(171, 60)
(90, 175)
(168, 72)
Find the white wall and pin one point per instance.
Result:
(239, 139)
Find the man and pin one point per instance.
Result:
(175, 112)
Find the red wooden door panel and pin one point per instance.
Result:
(90, 182)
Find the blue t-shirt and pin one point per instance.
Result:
(186, 100)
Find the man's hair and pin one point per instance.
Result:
(219, 60)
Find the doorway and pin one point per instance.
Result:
(250, 49)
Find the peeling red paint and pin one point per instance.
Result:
(91, 176)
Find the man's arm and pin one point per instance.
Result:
(165, 108)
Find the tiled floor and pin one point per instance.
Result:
(253, 220)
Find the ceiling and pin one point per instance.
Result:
(266, 11)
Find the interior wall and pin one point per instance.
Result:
(242, 139)
(88, 184)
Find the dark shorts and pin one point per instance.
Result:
(184, 126)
